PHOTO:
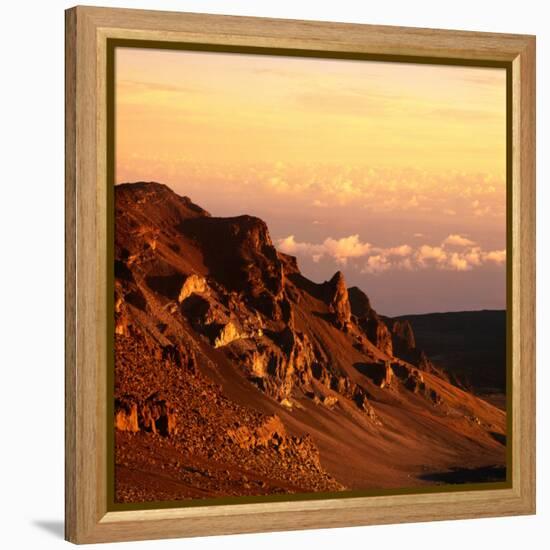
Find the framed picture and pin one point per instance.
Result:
(300, 263)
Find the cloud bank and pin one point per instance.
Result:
(338, 249)
(328, 188)
(455, 253)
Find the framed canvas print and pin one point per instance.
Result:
(300, 274)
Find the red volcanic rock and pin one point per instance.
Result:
(290, 264)
(271, 433)
(155, 415)
(360, 304)
(126, 416)
(192, 284)
(380, 373)
(404, 346)
(404, 335)
(159, 416)
(375, 328)
(161, 204)
(238, 253)
(338, 300)
(379, 334)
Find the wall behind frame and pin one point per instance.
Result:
(32, 227)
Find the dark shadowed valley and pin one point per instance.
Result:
(470, 346)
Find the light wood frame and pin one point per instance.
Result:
(87, 517)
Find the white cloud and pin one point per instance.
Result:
(496, 256)
(338, 249)
(405, 264)
(458, 240)
(376, 264)
(458, 262)
(474, 256)
(347, 247)
(289, 245)
(402, 251)
(445, 194)
(464, 254)
(427, 252)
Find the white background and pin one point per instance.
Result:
(31, 271)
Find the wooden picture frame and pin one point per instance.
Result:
(88, 30)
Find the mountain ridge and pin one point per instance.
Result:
(299, 373)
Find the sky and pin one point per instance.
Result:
(393, 173)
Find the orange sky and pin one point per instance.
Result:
(274, 109)
(381, 168)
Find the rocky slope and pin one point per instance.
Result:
(236, 375)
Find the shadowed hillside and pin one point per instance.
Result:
(469, 345)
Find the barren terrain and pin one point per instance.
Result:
(236, 375)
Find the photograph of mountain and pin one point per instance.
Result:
(310, 276)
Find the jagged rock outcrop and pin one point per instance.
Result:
(360, 304)
(228, 333)
(271, 433)
(403, 335)
(381, 373)
(126, 415)
(192, 284)
(178, 356)
(404, 346)
(125, 296)
(239, 253)
(338, 300)
(329, 400)
(290, 263)
(363, 403)
(374, 328)
(278, 363)
(213, 320)
(413, 380)
(378, 333)
(159, 416)
(155, 414)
